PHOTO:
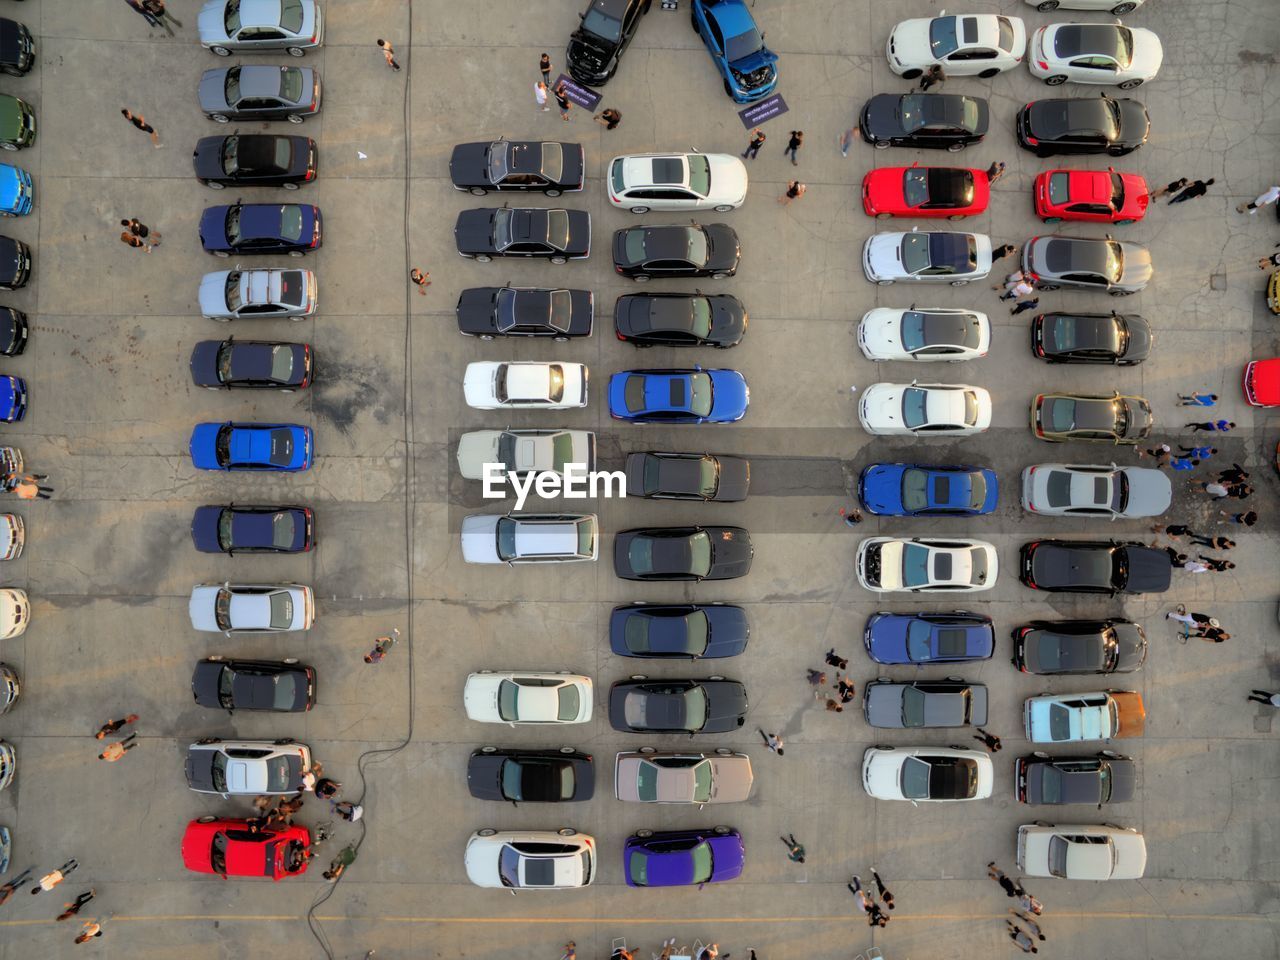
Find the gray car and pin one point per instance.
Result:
(1118, 268)
(647, 776)
(246, 26)
(1105, 778)
(924, 703)
(260, 93)
(10, 688)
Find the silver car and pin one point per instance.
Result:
(10, 688)
(246, 26)
(525, 451)
(268, 294)
(924, 703)
(1118, 268)
(8, 764)
(647, 776)
(260, 93)
(1089, 490)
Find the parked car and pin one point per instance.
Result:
(896, 564)
(15, 612)
(648, 776)
(924, 409)
(256, 364)
(924, 703)
(235, 608)
(1081, 852)
(525, 451)
(260, 93)
(267, 294)
(737, 48)
(557, 235)
(1101, 779)
(682, 631)
(14, 331)
(914, 490)
(513, 697)
(675, 251)
(1077, 717)
(1087, 490)
(17, 49)
(250, 26)
(687, 476)
(1090, 196)
(641, 182)
(525, 384)
(922, 192)
(286, 447)
(1111, 265)
(939, 121)
(255, 160)
(1051, 647)
(683, 553)
(17, 123)
(244, 528)
(1116, 9)
(548, 167)
(521, 775)
(10, 688)
(531, 860)
(1261, 383)
(680, 320)
(981, 45)
(13, 536)
(921, 638)
(640, 705)
(679, 396)
(488, 312)
(15, 263)
(1058, 417)
(17, 192)
(13, 398)
(261, 228)
(926, 774)
(1083, 125)
(238, 768)
(926, 257)
(8, 764)
(1123, 339)
(596, 47)
(1094, 566)
(681, 858)
(240, 848)
(925, 334)
(282, 686)
(530, 538)
(1107, 53)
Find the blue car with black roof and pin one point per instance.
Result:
(285, 447)
(916, 490)
(678, 396)
(920, 638)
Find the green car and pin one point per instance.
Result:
(17, 123)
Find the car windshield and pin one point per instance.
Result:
(499, 165)
(509, 866)
(558, 229)
(231, 17)
(699, 174)
(290, 84)
(702, 782)
(942, 37)
(222, 608)
(918, 641)
(234, 302)
(283, 530)
(502, 227)
(568, 702)
(291, 15)
(638, 867)
(695, 708)
(977, 490)
(915, 252)
(700, 394)
(281, 610)
(508, 700)
(601, 24)
(618, 177)
(1117, 191)
(1058, 849)
(743, 45)
(291, 222)
(586, 538)
(697, 246)
(913, 701)
(702, 863)
(915, 186)
(1104, 783)
(507, 538)
(700, 310)
(225, 534)
(233, 224)
(915, 565)
(915, 779)
(512, 780)
(977, 565)
(914, 488)
(915, 405)
(970, 408)
(218, 772)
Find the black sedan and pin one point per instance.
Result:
(238, 528)
(684, 631)
(943, 121)
(488, 312)
(557, 235)
(547, 167)
(283, 686)
(1072, 125)
(13, 331)
(1051, 647)
(687, 476)
(261, 228)
(1094, 566)
(1123, 339)
(531, 776)
(683, 553)
(716, 705)
(255, 160)
(15, 263)
(676, 250)
(680, 319)
(1105, 778)
(597, 45)
(257, 364)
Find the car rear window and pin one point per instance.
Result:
(1059, 188)
(291, 15)
(568, 702)
(552, 161)
(290, 84)
(1058, 849)
(281, 610)
(699, 175)
(291, 222)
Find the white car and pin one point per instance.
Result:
(525, 384)
(525, 451)
(530, 537)
(924, 256)
(926, 409)
(531, 860)
(642, 182)
(247, 768)
(512, 697)
(1079, 717)
(1107, 53)
(1088, 490)
(896, 564)
(246, 26)
(8, 764)
(647, 776)
(1111, 6)
(13, 534)
(927, 333)
(231, 608)
(15, 612)
(258, 294)
(926, 774)
(1095, 851)
(970, 45)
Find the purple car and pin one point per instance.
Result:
(679, 858)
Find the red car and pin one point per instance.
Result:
(230, 849)
(917, 191)
(1262, 383)
(1097, 196)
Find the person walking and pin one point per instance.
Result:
(1239, 491)
(795, 849)
(159, 10)
(1193, 619)
(994, 173)
(540, 96)
(1173, 531)
(69, 910)
(1018, 288)
(816, 678)
(1234, 474)
(1167, 188)
(1184, 463)
(1213, 543)
(795, 190)
(1200, 453)
(877, 917)
(1214, 489)
(1248, 518)
(346, 856)
(563, 102)
(1212, 426)
(420, 280)
(609, 117)
(773, 741)
(115, 751)
(1197, 399)
(351, 812)
(1021, 938)
(88, 930)
(1266, 198)
(1262, 696)
(864, 901)
(834, 706)
(1024, 305)
(1176, 559)
(794, 144)
(55, 877)
(9, 888)
(137, 5)
(845, 141)
(139, 121)
(1197, 189)
(1194, 566)
(851, 517)
(1216, 565)
(840, 663)
(999, 876)
(846, 689)
(570, 951)
(27, 486)
(544, 67)
(381, 646)
(989, 740)
(1029, 903)
(136, 242)
(1271, 260)
(885, 895)
(140, 229)
(1160, 452)
(388, 54)
(753, 148)
(1002, 251)
(1032, 925)
(111, 726)
(932, 77)
(1211, 635)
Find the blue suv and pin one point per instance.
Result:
(16, 191)
(737, 47)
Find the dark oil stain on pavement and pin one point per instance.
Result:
(343, 390)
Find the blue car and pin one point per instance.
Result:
(13, 399)
(251, 446)
(918, 638)
(242, 228)
(686, 631)
(914, 490)
(737, 48)
(237, 528)
(678, 396)
(17, 192)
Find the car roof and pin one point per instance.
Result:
(528, 380)
(732, 15)
(1077, 39)
(260, 13)
(546, 538)
(648, 170)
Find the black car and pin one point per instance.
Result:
(239, 528)
(1094, 566)
(941, 121)
(716, 705)
(1105, 778)
(687, 476)
(531, 776)
(284, 686)
(1051, 647)
(17, 49)
(255, 160)
(680, 319)
(261, 228)
(488, 312)
(13, 331)
(597, 45)
(684, 631)
(683, 553)
(15, 263)
(556, 235)
(547, 167)
(1123, 339)
(1070, 125)
(257, 364)
(675, 250)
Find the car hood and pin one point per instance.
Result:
(211, 23)
(881, 485)
(730, 630)
(1124, 780)
(725, 249)
(1135, 123)
(213, 293)
(213, 228)
(207, 158)
(1148, 53)
(200, 608)
(882, 704)
(731, 393)
(1140, 337)
(1150, 492)
(752, 62)
(731, 552)
(735, 479)
(484, 776)
(1131, 646)
(729, 178)
(479, 538)
(204, 684)
(1137, 265)
(469, 164)
(880, 116)
(212, 90)
(204, 363)
(883, 254)
(475, 449)
(1149, 570)
(204, 529)
(911, 37)
(473, 231)
(202, 446)
(726, 705)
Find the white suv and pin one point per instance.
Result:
(530, 537)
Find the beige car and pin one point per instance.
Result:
(647, 776)
(15, 612)
(1101, 851)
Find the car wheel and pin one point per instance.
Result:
(282, 741)
(220, 51)
(882, 144)
(1048, 5)
(959, 283)
(486, 336)
(1047, 286)
(954, 746)
(295, 118)
(956, 679)
(1041, 755)
(1120, 9)
(648, 750)
(641, 278)
(290, 660)
(1052, 219)
(567, 750)
(1056, 80)
(205, 819)
(956, 216)
(219, 118)
(639, 209)
(486, 832)
(883, 216)
(488, 749)
(551, 193)
(882, 746)
(643, 834)
(911, 74)
(296, 253)
(639, 676)
(559, 259)
(212, 388)
(882, 679)
(883, 283)
(205, 740)
(1123, 222)
(221, 253)
(1130, 84)
(484, 671)
(724, 208)
(1121, 293)
(956, 147)
(715, 678)
(295, 51)
(988, 74)
(290, 185)
(721, 275)
(1043, 823)
(483, 257)
(560, 339)
(478, 191)
(567, 832)
(720, 830)
(214, 185)
(723, 752)
(217, 657)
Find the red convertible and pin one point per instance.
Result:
(230, 848)
(1096, 196)
(917, 191)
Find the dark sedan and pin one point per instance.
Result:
(488, 312)
(680, 320)
(283, 686)
(1094, 566)
(1075, 125)
(233, 529)
(1105, 778)
(919, 638)
(1120, 339)
(596, 47)
(944, 121)
(255, 160)
(259, 93)
(687, 476)
(685, 631)
(716, 705)
(683, 553)
(14, 331)
(676, 250)
(531, 776)
(261, 228)
(547, 167)
(1051, 647)
(17, 49)
(257, 364)
(557, 235)
(15, 263)
(924, 703)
